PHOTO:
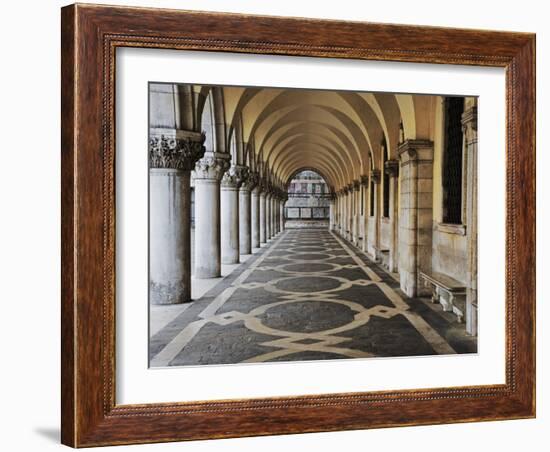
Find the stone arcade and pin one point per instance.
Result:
(401, 178)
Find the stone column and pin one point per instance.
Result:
(331, 214)
(276, 213)
(170, 164)
(278, 216)
(375, 178)
(245, 213)
(344, 212)
(356, 211)
(229, 203)
(352, 213)
(365, 222)
(272, 214)
(341, 212)
(263, 238)
(391, 167)
(255, 216)
(469, 126)
(268, 216)
(282, 214)
(207, 175)
(416, 217)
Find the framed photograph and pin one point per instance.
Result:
(282, 225)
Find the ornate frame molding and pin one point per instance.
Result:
(90, 35)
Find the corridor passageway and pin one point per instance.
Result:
(306, 295)
(302, 224)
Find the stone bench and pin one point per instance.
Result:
(447, 291)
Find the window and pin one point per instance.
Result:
(452, 161)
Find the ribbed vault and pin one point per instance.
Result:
(340, 134)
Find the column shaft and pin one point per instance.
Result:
(245, 242)
(229, 203)
(394, 229)
(262, 218)
(469, 124)
(415, 217)
(207, 228)
(207, 175)
(169, 236)
(267, 217)
(255, 202)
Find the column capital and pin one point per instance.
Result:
(212, 166)
(234, 176)
(469, 124)
(365, 180)
(391, 167)
(250, 182)
(176, 152)
(375, 176)
(356, 184)
(415, 150)
(260, 185)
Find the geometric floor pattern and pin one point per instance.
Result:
(306, 296)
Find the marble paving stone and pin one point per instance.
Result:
(307, 295)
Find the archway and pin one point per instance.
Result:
(308, 203)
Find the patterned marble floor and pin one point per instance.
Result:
(306, 296)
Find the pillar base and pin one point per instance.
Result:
(168, 294)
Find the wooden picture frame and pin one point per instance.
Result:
(90, 36)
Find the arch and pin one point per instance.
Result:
(207, 123)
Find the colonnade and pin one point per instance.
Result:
(236, 210)
(404, 239)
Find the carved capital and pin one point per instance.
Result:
(250, 182)
(356, 184)
(364, 180)
(235, 176)
(260, 185)
(375, 176)
(391, 167)
(469, 124)
(175, 153)
(415, 150)
(212, 166)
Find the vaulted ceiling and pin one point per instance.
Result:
(337, 133)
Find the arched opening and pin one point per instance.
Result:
(308, 203)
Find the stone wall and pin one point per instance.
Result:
(449, 251)
(384, 234)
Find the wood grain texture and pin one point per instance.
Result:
(90, 36)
